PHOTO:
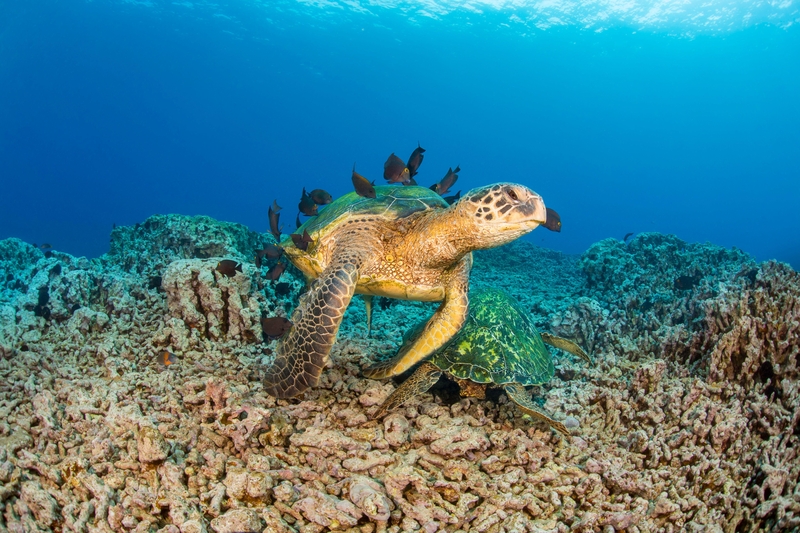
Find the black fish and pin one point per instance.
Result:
(627, 236)
(166, 358)
(553, 222)
(42, 309)
(395, 171)
(228, 267)
(271, 251)
(275, 327)
(282, 288)
(751, 274)
(321, 197)
(684, 283)
(273, 220)
(363, 187)
(415, 160)
(448, 181)
(275, 272)
(45, 246)
(307, 205)
(452, 199)
(302, 241)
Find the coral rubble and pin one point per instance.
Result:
(688, 421)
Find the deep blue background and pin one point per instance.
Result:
(110, 113)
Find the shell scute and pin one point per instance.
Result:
(391, 203)
(498, 344)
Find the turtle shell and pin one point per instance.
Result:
(498, 344)
(391, 202)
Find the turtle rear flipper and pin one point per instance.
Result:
(517, 394)
(303, 352)
(566, 345)
(444, 323)
(420, 381)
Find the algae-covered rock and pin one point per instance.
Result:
(544, 281)
(214, 304)
(654, 266)
(152, 446)
(643, 296)
(147, 248)
(15, 256)
(236, 521)
(43, 506)
(37, 288)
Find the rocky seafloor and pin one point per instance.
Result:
(689, 419)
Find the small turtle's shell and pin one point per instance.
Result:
(391, 202)
(498, 344)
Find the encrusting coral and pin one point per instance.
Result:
(688, 421)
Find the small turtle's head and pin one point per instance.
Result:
(501, 213)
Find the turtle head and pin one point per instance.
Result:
(501, 212)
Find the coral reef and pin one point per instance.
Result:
(687, 422)
(147, 248)
(202, 300)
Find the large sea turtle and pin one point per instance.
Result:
(498, 345)
(406, 243)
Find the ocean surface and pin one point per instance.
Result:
(628, 117)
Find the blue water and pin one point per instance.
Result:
(684, 122)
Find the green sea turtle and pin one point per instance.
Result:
(498, 345)
(406, 243)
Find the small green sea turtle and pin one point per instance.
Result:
(406, 243)
(499, 345)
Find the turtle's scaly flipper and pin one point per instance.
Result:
(368, 305)
(423, 379)
(567, 346)
(444, 323)
(303, 352)
(517, 394)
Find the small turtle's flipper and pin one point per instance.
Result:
(444, 323)
(517, 394)
(566, 345)
(368, 305)
(303, 352)
(423, 379)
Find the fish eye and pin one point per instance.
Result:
(513, 195)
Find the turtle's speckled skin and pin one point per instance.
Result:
(498, 346)
(406, 243)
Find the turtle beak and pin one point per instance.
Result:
(530, 210)
(534, 210)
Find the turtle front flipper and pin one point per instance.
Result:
(303, 352)
(420, 381)
(517, 394)
(441, 327)
(566, 345)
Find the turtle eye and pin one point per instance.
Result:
(513, 195)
